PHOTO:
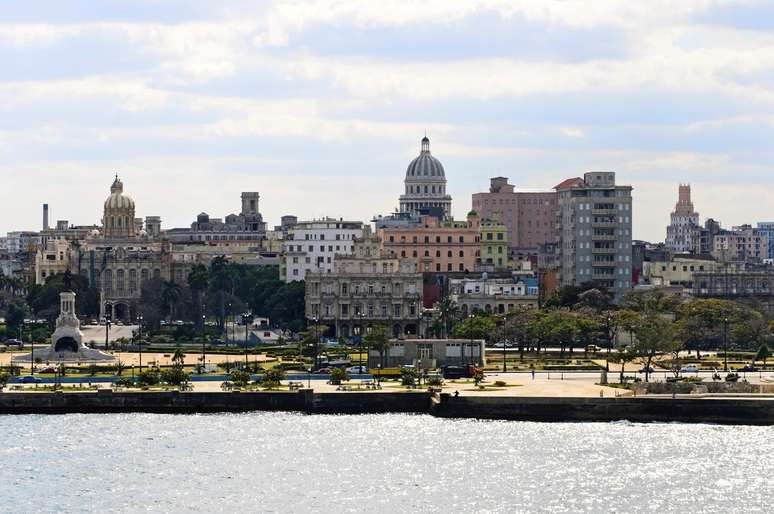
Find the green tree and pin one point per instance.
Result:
(338, 375)
(240, 378)
(702, 322)
(377, 340)
(516, 328)
(763, 353)
(272, 377)
(178, 357)
(623, 355)
(14, 317)
(655, 335)
(198, 279)
(448, 311)
(170, 296)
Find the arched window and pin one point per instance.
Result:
(120, 281)
(425, 189)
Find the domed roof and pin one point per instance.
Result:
(425, 166)
(117, 200)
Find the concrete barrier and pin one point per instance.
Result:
(736, 410)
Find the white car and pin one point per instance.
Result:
(689, 368)
(357, 370)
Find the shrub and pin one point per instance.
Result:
(339, 375)
(272, 378)
(240, 378)
(4, 378)
(174, 375)
(408, 376)
(500, 383)
(148, 377)
(478, 376)
(435, 381)
(124, 382)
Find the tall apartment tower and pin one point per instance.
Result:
(595, 232)
(683, 231)
(45, 216)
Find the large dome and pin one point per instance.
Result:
(117, 199)
(425, 167)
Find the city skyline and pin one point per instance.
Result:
(193, 104)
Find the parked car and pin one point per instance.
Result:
(323, 371)
(502, 344)
(357, 370)
(748, 367)
(592, 348)
(14, 342)
(689, 368)
(48, 370)
(452, 372)
(29, 379)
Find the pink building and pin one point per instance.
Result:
(529, 216)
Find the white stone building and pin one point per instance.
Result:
(313, 246)
(425, 184)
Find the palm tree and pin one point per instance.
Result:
(178, 357)
(377, 339)
(449, 311)
(198, 279)
(170, 296)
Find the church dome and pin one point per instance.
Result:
(425, 166)
(117, 199)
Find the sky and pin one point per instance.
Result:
(320, 105)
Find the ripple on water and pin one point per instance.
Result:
(280, 462)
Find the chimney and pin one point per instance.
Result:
(45, 216)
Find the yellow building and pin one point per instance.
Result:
(494, 245)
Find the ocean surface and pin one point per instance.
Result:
(290, 463)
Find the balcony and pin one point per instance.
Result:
(603, 237)
(604, 264)
(604, 212)
(603, 251)
(603, 224)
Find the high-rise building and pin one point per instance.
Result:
(425, 184)
(742, 243)
(595, 232)
(529, 216)
(684, 229)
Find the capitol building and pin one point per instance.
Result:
(425, 185)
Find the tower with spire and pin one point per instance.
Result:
(683, 228)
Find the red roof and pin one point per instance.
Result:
(570, 182)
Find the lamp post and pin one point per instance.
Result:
(204, 355)
(379, 373)
(107, 333)
(362, 336)
(139, 319)
(32, 347)
(309, 377)
(725, 344)
(245, 318)
(316, 341)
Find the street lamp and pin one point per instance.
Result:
(203, 343)
(379, 373)
(32, 346)
(107, 333)
(362, 335)
(309, 377)
(139, 320)
(725, 344)
(316, 341)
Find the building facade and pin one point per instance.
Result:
(436, 245)
(366, 289)
(766, 228)
(743, 243)
(425, 184)
(684, 229)
(530, 217)
(312, 246)
(494, 246)
(595, 236)
(494, 295)
(429, 353)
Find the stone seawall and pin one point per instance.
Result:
(740, 411)
(174, 402)
(736, 411)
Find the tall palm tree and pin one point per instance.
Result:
(449, 311)
(170, 296)
(198, 279)
(178, 357)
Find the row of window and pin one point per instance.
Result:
(449, 239)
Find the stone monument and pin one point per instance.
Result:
(67, 340)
